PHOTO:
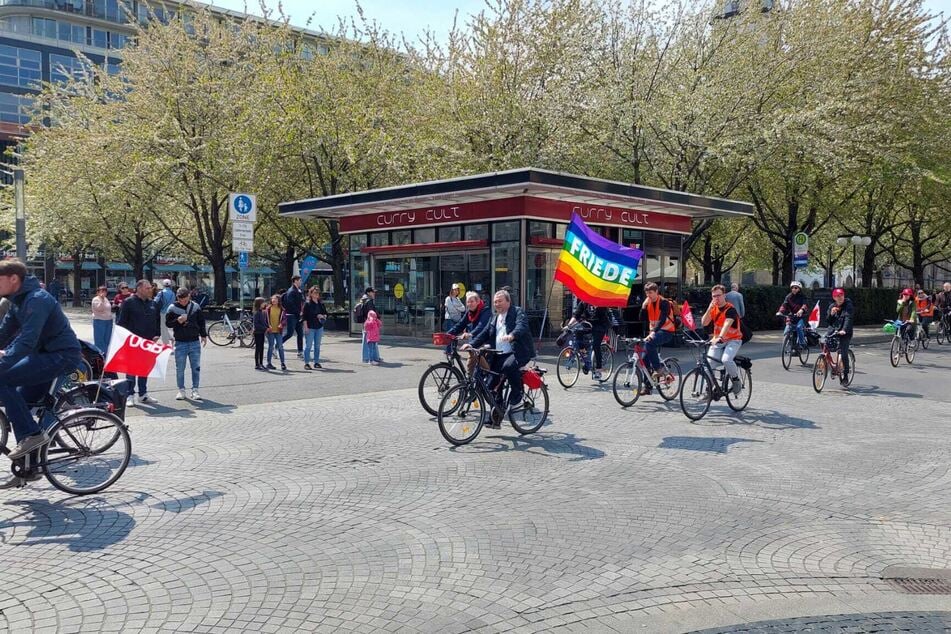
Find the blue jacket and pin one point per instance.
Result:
(293, 301)
(516, 324)
(165, 298)
(140, 317)
(34, 323)
(472, 327)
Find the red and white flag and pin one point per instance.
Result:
(687, 317)
(136, 355)
(814, 317)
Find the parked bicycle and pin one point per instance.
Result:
(903, 344)
(702, 385)
(577, 355)
(829, 360)
(225, 332)
(89, 447)
(482, 396)
(632, 376)
(792, 347)
(439, 377)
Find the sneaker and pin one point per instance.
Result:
(283, 368)
(148, 400)
(737, 386)
(17, 481)
(300, 355)
(28, 444)
(318, 366)
(269, 367)
(130, 401)
(307, 366)
(195, 395)
(260, 367)
(180, 396)
(596, 376)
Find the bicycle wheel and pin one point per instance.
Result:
(820, 372)
(76, 377)
(804, 353)
(670, 381)
(435, 382)
(911, 348)
(847, 379)
(89, 450)
(627, 384)
(568, 368)
(939, 333)
(787, 353)
(460, 414)
(245, 335)
(220, 334)
(923, 338)
(696, 394)
(607, 363)
(895, 353)
(529, 417)
(738, 402)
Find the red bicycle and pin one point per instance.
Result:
(825, 362)
(634, 374)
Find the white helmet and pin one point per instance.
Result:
(795, 284)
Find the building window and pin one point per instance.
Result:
(63, 67)
(20, 67)
(117, 40)
(17, 24)
(502, 231)
(100, 39)
(539, 229)
(381, 239)
(43, 27)
(15, 108)
(505, 261)
(404, 236)
(450, 234)
(477, 232)
(424, 236)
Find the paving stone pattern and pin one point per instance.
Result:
(351, 513)
(888, 622)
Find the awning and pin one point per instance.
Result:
(173, 268)
(68, 266)
(118, 266)
(204, 268)
(261, 270)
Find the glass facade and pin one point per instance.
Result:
(21, 67)
(15, 108)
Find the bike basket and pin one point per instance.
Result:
(812, 338)
(562, 339)
(442, 338)
(531, 379)
(889, 329)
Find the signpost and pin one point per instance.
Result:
(800, 259)
(243, 211)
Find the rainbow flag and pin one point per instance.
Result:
(595, 269)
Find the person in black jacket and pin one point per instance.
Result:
(794, 307)
(314, 316)
(840, 319)
(140, 316)
(293, 303)
(187, 323)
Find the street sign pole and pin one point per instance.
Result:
(244, 209)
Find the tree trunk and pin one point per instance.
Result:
(221, 281)
(775, 267)
(868, 265)
(707, 262)
(287, 267)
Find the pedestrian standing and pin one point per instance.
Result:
(140, 316)
(293, 302)
(371, 328)
(187, 322)
(164, 300)
(260, 331)
(124, 293)
(455, 308)
(276, 322)
(736, 298)
(200, 297)
(315, 314)
(102, 319)
(361, 312)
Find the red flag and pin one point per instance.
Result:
(814, 316)
(687, 317)
(134, 355)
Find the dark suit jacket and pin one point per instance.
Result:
(516, 323)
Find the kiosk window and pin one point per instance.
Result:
(381, 239)
(477, 232)
(404, 236)
(450, 234)
(424, 236)
(504, 231)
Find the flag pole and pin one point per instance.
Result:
(541, 329)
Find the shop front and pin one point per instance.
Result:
(500, 230)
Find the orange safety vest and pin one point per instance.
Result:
(925, 307)
(718, 316)
(653, 315)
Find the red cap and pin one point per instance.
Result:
(838, 292)
(907, 292)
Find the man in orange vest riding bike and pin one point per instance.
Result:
(660, 320)
(727, 336)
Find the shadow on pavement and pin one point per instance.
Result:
(751, 416)
(181, 505)
(82, 525)
(553, 443)
(876, 390)
(692, 443)
(326, 370)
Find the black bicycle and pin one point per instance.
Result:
(942, 331)
(466, 407)
(791, 345)
(439, 377)
(702, 385)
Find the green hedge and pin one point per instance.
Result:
(872, 305)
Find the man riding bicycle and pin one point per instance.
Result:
(509, 334)
(908, 313)
(660, 320)
(37, 345)
(727, 335)
(925, 309)
(840, 319)
(475, 319)
(600, 320)
(794, 307)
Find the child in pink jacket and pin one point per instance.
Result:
(372, 328)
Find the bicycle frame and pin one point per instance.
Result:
(703, 362)
(636, 357)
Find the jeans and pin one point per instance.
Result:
(35, 371)
(190, 351)
(274, 340)
(800, 329)
(652, 349)
(725, 353)
(373, 350)
(294, 326)
(143, 382)
(507, 366)
(449, 324)
(312, 341)
(101, 333)
(925, 322)
(597, 336)
(844, 343)
(365, 349)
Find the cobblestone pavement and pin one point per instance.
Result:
(350, 512)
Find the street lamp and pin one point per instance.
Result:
(855, 240)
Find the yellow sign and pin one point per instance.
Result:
(462, 289)
(398, 291)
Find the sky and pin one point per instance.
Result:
(410, 17)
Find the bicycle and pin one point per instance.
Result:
(700, 387)
(942, 331)
(578, 355)
(825, 362)
(791, 345)
(902, 343)
(224, 332)
(632, 375)
(89, 447)
(439, 377)
(921, 337)
(465, 407)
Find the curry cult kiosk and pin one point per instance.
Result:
(523, 229)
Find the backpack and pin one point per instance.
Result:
(360, 313)
(745, 331)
